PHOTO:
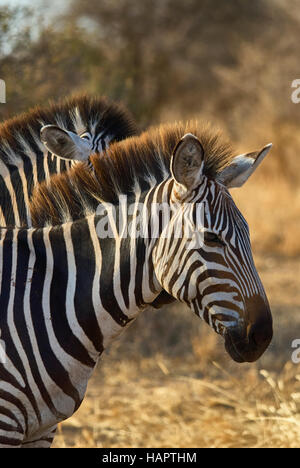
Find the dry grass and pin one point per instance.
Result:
(155, 404)
(169, 383)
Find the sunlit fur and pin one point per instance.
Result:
(141, 161)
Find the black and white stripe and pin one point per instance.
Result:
(25, 161)
(67, 292)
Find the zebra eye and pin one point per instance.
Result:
(213, 240)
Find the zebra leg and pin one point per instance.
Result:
(43, 442)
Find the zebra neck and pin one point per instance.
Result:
(92, 286)
(108, 280)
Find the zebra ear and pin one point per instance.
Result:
(65, 144)
(241, 168)
(187, 162)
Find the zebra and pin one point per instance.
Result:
(72, 129)
(67, 290)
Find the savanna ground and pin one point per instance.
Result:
(168, 382)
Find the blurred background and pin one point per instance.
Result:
(167, 381)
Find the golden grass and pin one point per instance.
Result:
(143, 406)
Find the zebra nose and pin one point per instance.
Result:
(260, 334)
(249, 343)
(259, 330)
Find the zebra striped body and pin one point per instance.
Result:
(25, 161)
(67, 291)
(61, 303)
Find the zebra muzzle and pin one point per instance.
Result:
(249, 344)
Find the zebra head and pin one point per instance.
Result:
(209, 266)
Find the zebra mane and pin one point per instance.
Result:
(20, 135)
(132, 165)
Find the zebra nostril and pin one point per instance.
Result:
(260, 327)
(260, 334)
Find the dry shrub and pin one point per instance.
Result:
(271, 206)
(270, 200)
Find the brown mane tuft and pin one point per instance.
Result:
(134, 162)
